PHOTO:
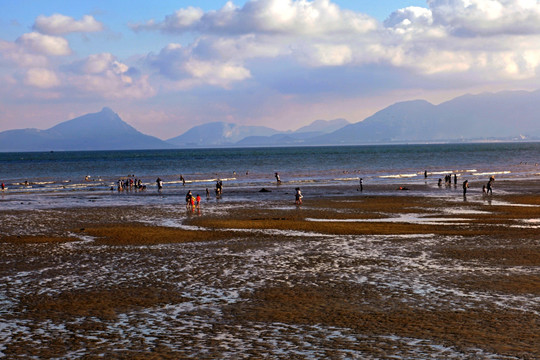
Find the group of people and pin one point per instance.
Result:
(447, 179)
(486, 189)
(128, 184)
(192, 202)
(219, 187)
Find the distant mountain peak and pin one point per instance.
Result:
(103, 130)
(107, 110)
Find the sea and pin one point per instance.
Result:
(90, 178)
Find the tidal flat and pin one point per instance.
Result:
(392, 275)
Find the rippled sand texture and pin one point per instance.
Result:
(370, 277)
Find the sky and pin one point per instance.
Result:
(166, 66)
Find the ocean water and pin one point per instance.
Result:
(64, 179)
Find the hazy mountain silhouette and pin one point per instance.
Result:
(218, 134)
(323, 126)
(298, 137)
(505, 116)
(97, 131)
(510, 115)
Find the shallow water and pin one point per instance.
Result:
(67, 179)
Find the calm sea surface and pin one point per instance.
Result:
(72, 178)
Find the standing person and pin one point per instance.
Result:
(3, 187)
(159, 183)
(189, 198)
(465, 187)
(217, 188)
(207, 193)
(361, 184)
(278, 180)
(440, 182)
(182, 180)
(298, 196)
(489, 188)
(198, 201)
(425, 174)
(455, 179)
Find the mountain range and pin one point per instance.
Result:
(511, 115)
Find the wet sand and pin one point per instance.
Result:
(364, 276)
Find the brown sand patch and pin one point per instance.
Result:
(522, 199)
(369, 311)
(104, 304)
(137, 234)
(508, 284)
(378, 204)
(507, 256)
(35, 239)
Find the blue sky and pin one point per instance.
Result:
(167, 66)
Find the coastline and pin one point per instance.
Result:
(396, 273)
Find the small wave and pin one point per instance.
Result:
(441, 172)
(397, 176)
(42, 182)
(494, 173)
(347, 179)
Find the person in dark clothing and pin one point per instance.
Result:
(489, 187)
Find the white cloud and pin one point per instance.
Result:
(487, 17)
(181, 66)
(41, 78)
(58, 24)
(44, 44)
(105, 76)
(15, 55)
(318, 33)
(328, 55)
(216, 73)
(183, 18)
(299, 17)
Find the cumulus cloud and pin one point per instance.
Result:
(449, 37)
(180, 65)
(13, 54)
(41, 78)
(44, 44)
(318, 17)
(327, 55)
(487, 17)
(58, 24)
(105, 76)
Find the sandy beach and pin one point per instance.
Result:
(392, 275)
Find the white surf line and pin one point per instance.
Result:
(398, 176)
(179, 225)
(493, 173)
(401, 219)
